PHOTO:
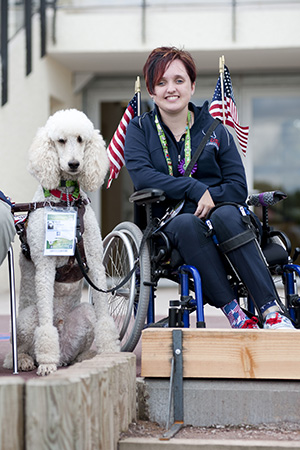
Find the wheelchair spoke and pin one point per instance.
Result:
(119, 260)
(121, 248)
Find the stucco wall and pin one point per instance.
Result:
(29, 104)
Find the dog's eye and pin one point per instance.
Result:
(79, 139)
(62, 141)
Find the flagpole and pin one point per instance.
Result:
(138, 92)
(221, 71)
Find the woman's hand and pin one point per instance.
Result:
(205, 204)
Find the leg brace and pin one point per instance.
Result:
(240, 239)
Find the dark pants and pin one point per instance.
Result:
(188, 234)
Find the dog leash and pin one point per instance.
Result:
(84, 269)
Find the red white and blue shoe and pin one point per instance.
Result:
(276, 321)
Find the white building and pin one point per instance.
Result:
(96, 48)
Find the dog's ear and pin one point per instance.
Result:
(96, 163)
(43, 160)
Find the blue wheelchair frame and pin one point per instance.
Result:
(186, 272)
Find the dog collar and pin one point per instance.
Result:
(65, 197)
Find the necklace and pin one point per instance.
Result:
(189, 124)
(180, 134)
(187, 146)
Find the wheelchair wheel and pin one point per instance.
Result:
(129, 304)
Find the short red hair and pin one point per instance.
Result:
(158, 61)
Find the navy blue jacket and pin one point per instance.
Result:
(219, 167)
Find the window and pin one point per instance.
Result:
(275, 136)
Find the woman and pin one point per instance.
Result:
(159, 146)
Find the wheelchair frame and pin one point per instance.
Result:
(133, 305)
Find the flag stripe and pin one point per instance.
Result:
(116, 147)
(230, 109)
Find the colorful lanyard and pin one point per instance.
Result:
(187, 144)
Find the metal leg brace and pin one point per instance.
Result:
(176, 387)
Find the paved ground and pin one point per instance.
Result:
(264, 432)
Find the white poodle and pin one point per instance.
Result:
(54, 327)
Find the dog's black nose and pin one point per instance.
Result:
(73, 165)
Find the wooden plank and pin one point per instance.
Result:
(104, 422)
(11, 413)
(53, 413)
(127, 384)
(117, 403)
(91, 415)
(257, 354)
(109, 401)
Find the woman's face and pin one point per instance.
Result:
(173, 91)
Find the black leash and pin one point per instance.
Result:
(105, 291)
(84, 269)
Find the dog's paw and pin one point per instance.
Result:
(46, 369)
(8, 361)
(25, 362)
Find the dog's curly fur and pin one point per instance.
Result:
(54, 327)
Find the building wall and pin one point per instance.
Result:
(99, 50)
(31, 100)
(205, 28)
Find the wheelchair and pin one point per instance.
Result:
(136, 260)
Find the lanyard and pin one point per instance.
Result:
(163, 141)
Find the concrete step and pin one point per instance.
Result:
(203, 444)
(208, 402)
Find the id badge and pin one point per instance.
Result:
(60, 225)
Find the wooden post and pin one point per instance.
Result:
(11, 413)
(86, 405)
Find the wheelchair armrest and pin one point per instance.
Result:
(147, 196)
(266, 198)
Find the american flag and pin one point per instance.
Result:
(115, 149)
(231, 115)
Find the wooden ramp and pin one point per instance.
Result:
(211, 353)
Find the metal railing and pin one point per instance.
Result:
(87, 4)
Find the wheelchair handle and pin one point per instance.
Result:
(296, 254)
(266, 198)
